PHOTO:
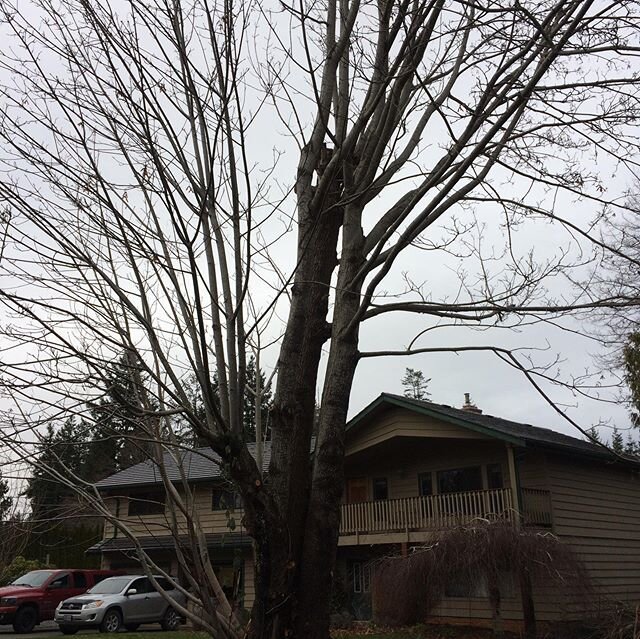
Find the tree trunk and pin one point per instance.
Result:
(528, 609)
(278, 524)
(323, 518)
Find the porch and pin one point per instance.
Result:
(408, 519)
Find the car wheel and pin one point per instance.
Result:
(171, 620)
(111, 621)
(25, 620)
(68, 630)
(131, 627)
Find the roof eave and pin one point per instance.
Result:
(423, 410)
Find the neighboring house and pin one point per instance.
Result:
(413, 467)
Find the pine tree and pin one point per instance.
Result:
(415, 384)
(120, 430)
(6, 501)
(594, 434)
(61, 451)
(249, 401)
(617, 441)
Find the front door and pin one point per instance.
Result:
(357, 490)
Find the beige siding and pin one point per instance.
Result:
(418, 456)
(399, 422)
(212, 521)
(249, 584)
(596, 509)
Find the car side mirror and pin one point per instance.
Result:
(132, 591)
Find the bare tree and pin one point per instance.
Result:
(143, 214)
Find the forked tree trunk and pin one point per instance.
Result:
(279, 525)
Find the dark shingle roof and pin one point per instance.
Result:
(200, 464)
(514, 432)
(167, 542)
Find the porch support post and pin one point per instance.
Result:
(513, 481)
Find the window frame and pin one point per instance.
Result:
(147, 503)
(378, 482)
(234, 498)
(440, 473)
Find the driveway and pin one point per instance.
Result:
(46, 629)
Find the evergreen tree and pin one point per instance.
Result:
(6, 501)
(59, 451)
(415, 384)
(120, 431)
(249, 401)
(594, 434)
(617, 441)
(632, 447)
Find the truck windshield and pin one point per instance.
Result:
(33, 579)
(111, 586)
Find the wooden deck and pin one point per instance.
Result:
(374, 519)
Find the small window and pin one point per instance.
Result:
(148, 503)
(460, 480)
(225, 499)
(361, 577)
(79, 580)
(425, 485)
(494, 476)
(380, 489)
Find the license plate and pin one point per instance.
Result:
(68, 617)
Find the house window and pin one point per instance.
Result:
(148, 503)
(380, 489)
(466, 587)
(460, 480)
(494, 476)
(225, 499)
(425, 485)
(361, 577)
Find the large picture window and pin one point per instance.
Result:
(459, 480)
(147, 503)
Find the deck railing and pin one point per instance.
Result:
(428, 512)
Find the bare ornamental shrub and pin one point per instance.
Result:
(407, 589)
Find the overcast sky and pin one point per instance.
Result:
(494, 386)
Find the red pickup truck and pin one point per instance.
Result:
(34, 597)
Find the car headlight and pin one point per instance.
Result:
(8, 601)
(92, 604)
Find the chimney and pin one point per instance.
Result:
(469, 406)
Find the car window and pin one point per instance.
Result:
(33, 579)
(63, 581)
(79, 580)
(110, 586)
(165, 584)
(141, 585)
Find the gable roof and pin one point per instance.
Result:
(199, 464)
(512, 432)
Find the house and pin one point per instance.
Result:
(413, 467)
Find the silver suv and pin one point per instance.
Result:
(120, 601)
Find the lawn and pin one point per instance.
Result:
(362, 632)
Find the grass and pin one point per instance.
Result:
(152, 633)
